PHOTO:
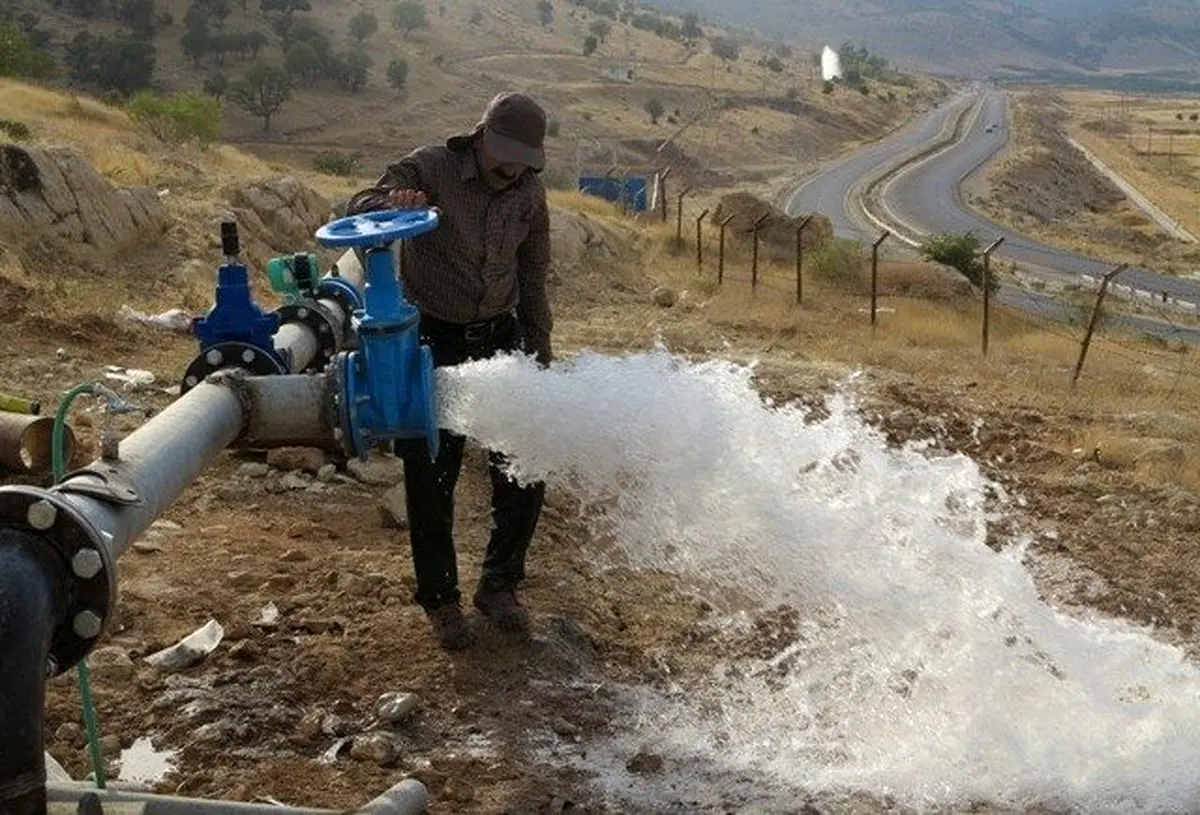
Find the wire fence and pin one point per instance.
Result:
(1153, 339)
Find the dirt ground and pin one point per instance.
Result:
(254, 720)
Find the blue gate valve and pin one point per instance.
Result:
(235, 317)
(385, 389)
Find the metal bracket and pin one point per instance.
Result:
(112, 487)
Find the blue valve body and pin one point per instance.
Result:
(235, 317)
(387, 384)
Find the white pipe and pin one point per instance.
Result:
(160, 459)
(409, 797)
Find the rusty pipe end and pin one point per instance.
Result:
(26, 442)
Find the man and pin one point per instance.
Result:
(479, 281)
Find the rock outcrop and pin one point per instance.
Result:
(55, 191)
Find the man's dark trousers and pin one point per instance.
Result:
(429, 485)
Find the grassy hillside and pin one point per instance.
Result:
(759, 108)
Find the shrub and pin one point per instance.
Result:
(14, 129)
(333, 162)
(178, 118)
(836, 261)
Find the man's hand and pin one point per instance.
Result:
(407, 199)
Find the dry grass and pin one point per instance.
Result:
(1143, 139)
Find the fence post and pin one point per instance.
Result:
(679, 216)
(700, 242)
(1087, 337)
(662, 192)
(875, 273)
(758, 224)
(987, 289)
(721, 250)
(800, 259)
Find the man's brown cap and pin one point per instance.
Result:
(514, 130)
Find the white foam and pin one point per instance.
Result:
(141, 763)
(928, 670)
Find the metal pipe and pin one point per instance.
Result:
(25, 442)
(409, 797)
(285, 410)
(32, 592)
(159, 460)
(297, 343)
(350, 267)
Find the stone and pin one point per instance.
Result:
(304, 459)
(393, 509)
(645, 764)
(396, 707)
(54, 190)
(294, 556)
(378, 470)
(377, 747)
(112, 662)
(664, 297)
(254, 469)
(278, 213)
(327, 473)
(69, 733)
(294, 480)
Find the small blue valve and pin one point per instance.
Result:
(384, 390)
(235, 317)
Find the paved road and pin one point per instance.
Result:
(829, 189)
(925, 199)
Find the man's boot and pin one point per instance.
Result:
(503, 609)
(450, 627)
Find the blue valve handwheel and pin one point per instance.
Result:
(377, 228)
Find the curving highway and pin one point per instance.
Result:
(918, 195)
(830, 190)
(925, 198)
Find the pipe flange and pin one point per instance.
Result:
(317, 319)
(342, 292)
(86, 561)
(232, 355)
(341, 407)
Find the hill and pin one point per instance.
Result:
(617, 85)
(989, 37)
(741, 515)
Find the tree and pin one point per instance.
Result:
(590, 44)
(408, 16)
(691, 26)
(397, 73)
(545, 11)
(197, 43)
(655, 109)
(138, 15)
(363, 25)
(960, 252)
(262, 93)
(725, 48)
(18, 56)
(600, 29)
(287, 7)
(351, 70)
(774, 64)
(216, 86)
(302, 60)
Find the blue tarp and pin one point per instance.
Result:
(633, 190)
